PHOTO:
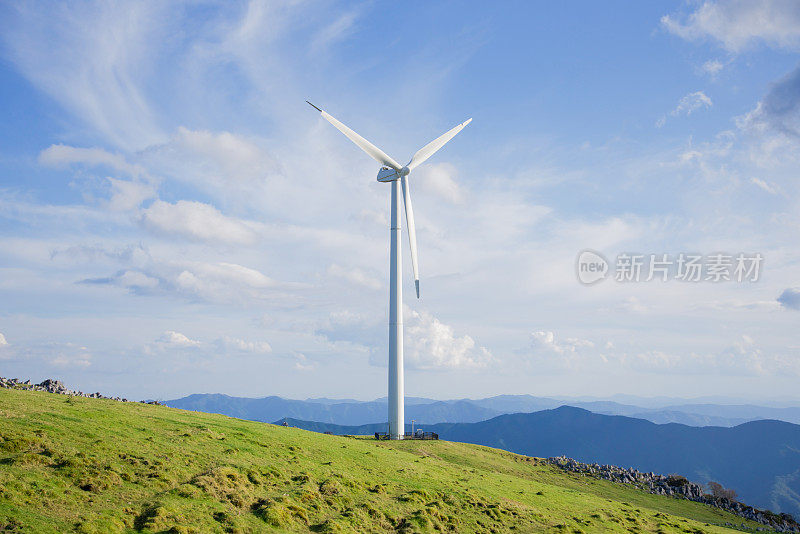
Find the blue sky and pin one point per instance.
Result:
(175, 219)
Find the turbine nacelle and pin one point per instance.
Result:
(387, 175)
(390, 175)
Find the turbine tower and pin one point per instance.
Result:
(393, 173)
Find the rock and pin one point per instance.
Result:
(676, 486)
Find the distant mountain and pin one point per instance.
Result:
(424, 410)
(690, 419)
(675, 414)
(269, 409)
(744, 411)
(760, 460)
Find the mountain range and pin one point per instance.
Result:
(426, 411)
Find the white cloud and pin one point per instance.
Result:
(736, 24)
(691, 103)
(302, 363)
(47, 353)
(438, 179)
(355, 276)
(741, 358)
(431, 344)
(137, 279)
(336, 31)
(546, 352)
(232, 344)
(64, 155)
(170, 338)
(82, 359)
(632, 304)
(220, 347)
(202, 276)
(225, 164)
(545, 340)
(198, 221)
(712, 67)
(146, 274)
(688, 105)
(93, 59)
(766, 186)
(127, 195)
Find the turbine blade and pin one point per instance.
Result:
(431, 148)
(377, 154)
(412, 230)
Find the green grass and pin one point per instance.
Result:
(91, 465)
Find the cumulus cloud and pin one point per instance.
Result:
(137, 280)
(545, 340)
(170, 338)
(197, 221)
(546, 351)
(790, 298)
(3, 341)
(222, 346)
(431, 344)
(688, 105)
(127, 195)
(213, 280)
(744, 356)
(736, 24)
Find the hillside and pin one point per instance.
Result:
(760, 459)
(73, 464)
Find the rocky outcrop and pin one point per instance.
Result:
(675, 486)
(57, 387)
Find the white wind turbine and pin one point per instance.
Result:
(397, 175)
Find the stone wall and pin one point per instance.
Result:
(676, 486)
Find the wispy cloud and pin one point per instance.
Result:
(687, 105)
(737, 24)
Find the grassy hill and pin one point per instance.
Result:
(758, 459)
(93, 465)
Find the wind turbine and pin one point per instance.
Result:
(396, 174)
